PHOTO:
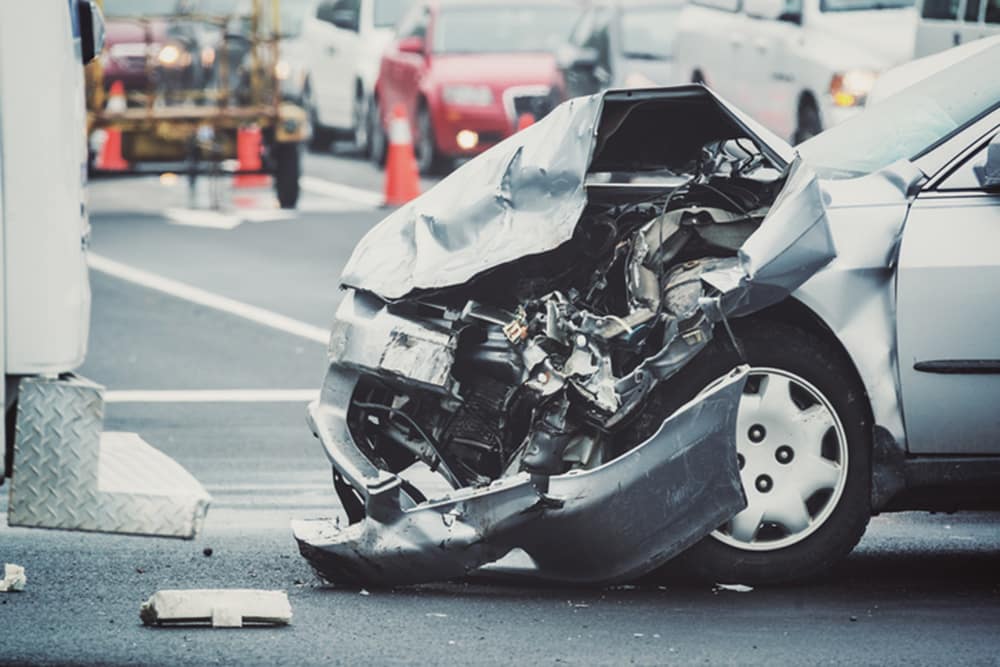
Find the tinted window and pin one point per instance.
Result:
(862, 5)
(907, 124)
(966, 177)
(497, 29)
(940, 9)
(972, 10)
(993, 11)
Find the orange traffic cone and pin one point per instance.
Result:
(110, 158)
(402, 179)
(525, 120)
(248, 142)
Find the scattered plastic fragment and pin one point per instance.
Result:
(220, 608)
(207, 551)
(13, 578)
(363, 592)
(736, 588)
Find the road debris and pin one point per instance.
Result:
(736, 588)
(221, 608)
(13, 578)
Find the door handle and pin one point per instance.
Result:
(331, 50)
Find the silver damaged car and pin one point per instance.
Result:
(645, 327)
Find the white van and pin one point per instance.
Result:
(797, 66)
(948, 23)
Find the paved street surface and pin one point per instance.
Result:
(187, 300)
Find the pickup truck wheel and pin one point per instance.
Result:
(288, 165)
(803, 441)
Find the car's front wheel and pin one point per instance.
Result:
(803, 441)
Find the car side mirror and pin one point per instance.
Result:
(91, 23)
(411, 45)
(346, 19)
(989, 173)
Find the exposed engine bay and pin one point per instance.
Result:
(557, 353)
(513, 379)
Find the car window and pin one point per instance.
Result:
(972, 11)
(992, 11)
(911, 122)
(862, 5)
(415, 23)
(648, 32)
(598, 37)
(966, 177)
(387, 13)
(488, 28)
(940, 9)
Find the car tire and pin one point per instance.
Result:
(821, 418)
(428, 158)
(808, 124)
(287, 168)
(377, 141)
(362, 124)
(321, 137)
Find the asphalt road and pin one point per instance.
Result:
(920, 589)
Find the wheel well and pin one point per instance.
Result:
(795, 313)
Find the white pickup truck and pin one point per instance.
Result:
(797, 66)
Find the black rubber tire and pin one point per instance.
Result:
(428, 158)
(808, 123)
(287, 167)
(821, 363)
(361, 136)
(321, 137)
(377, 139)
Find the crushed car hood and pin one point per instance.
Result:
(525, 195)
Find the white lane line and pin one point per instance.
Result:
(208, 299)
(340, 191)
(197, 218)
(211, 395)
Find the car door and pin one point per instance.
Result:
(334, 48)
(948, 312)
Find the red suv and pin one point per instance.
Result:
(465, 71)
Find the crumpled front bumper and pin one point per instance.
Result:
(607, 524)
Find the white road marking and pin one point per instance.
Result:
(208, 299)
(340, 191)
(211, 396)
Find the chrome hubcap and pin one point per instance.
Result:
(792, 454)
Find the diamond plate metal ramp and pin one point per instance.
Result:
(69, 475)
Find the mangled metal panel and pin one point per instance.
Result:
(611, 523)
(521, 197)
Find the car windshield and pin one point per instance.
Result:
(388, 12)
(139, 7)
(909, 123)
(648, 32)
(862, 5)
(486, 29)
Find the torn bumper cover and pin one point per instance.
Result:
(608, 524)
